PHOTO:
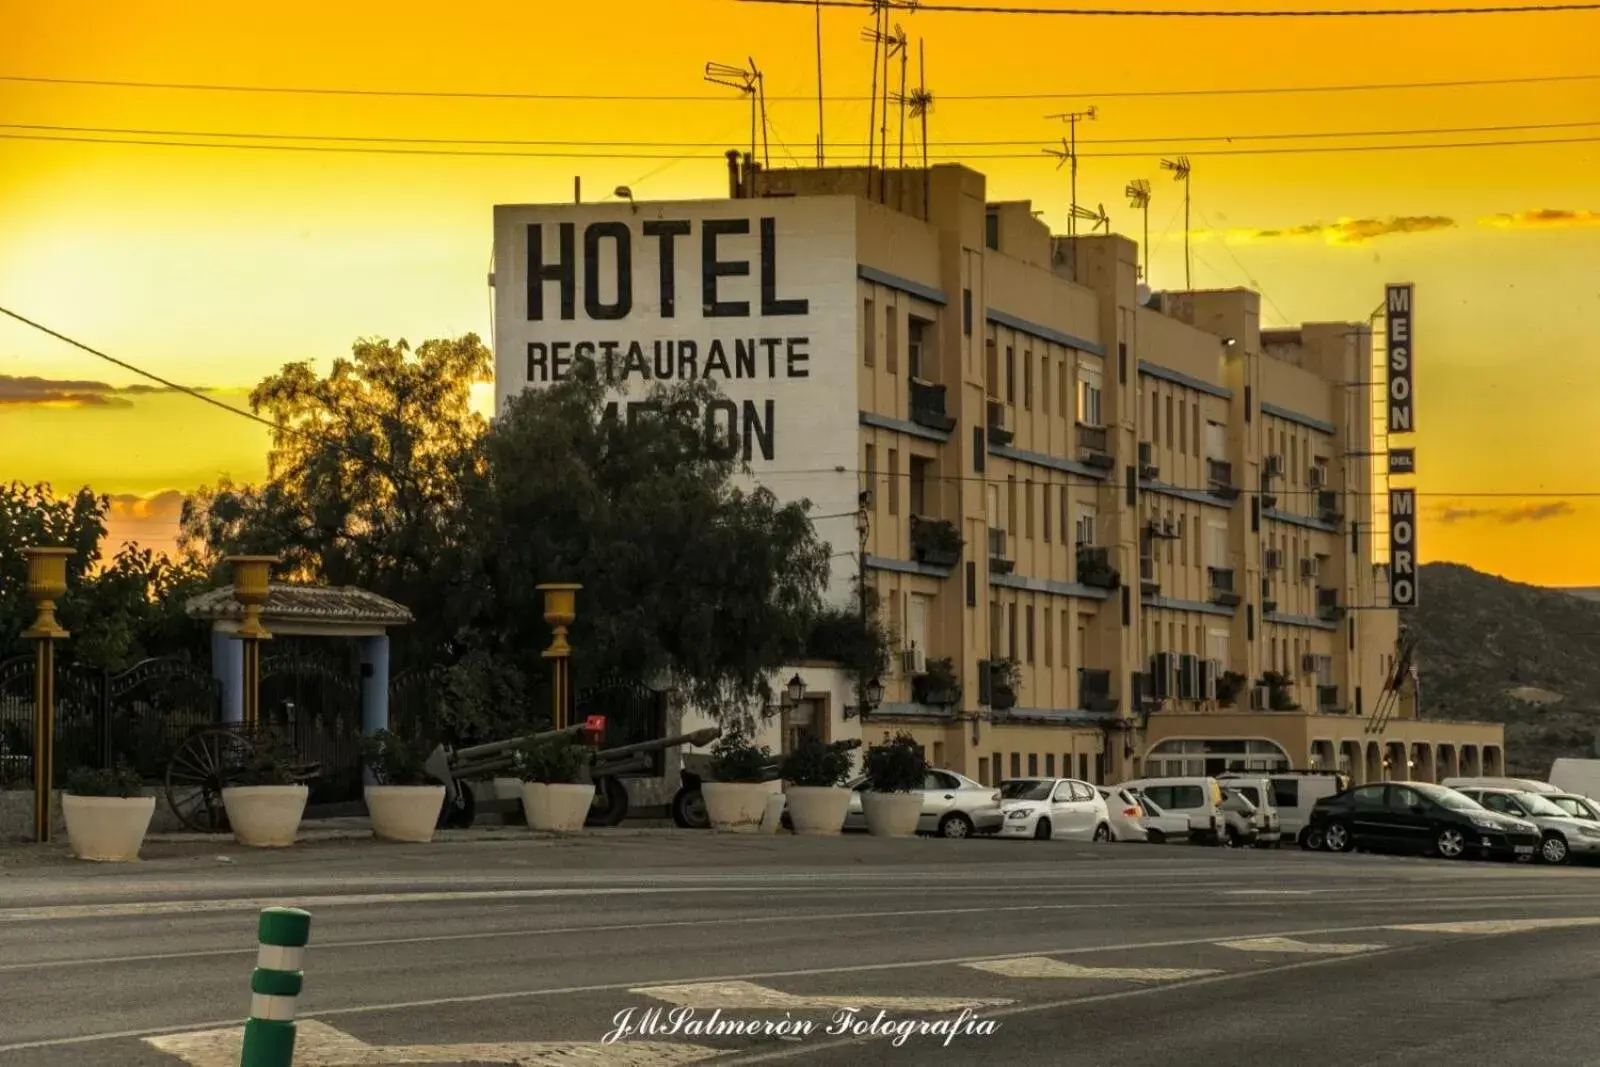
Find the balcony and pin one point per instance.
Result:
(998, 680)
(1268, 498)
(1094, 690)
(1222, 591)
(1328, 507)
(1328, 607)
(928, 406)
(1095, 569)
(1219, 474)
(936, 686)
(1149, 470)
(1328, 698)
(1149, 584)
(1268, 604)
(1094, 447)
(935, 542)
(999, 563)
(998, 434)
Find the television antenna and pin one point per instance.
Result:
(1180, 172)
(1138, 194)
(819, 83)
(750, 81)
(887, 44)
(1069, 154)
(1098, 218)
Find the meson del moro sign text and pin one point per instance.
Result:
(757, 296)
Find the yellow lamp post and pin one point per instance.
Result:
(250, 583)
(47, 583)
(560, 609)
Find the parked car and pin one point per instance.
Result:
(1062, 809)
(953, 805)
(1163, 827)
(1578, 807)
(1264, 826)
(1203, 802)
(1420, 817)
(1521, 785)
(1562, 835)
(1294, 794)
(1127, 814)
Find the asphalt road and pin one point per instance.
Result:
(974, 952)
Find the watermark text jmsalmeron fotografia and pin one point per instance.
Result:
(845, 1022)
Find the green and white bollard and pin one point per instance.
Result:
(269, 1033)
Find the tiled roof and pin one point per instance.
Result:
(305, 603)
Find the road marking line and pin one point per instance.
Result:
(1044, 967)
(747, 996)
(1308, 948)
(1274, 892)
(320, 1045)
(1495, 926)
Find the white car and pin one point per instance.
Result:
(1129, 819)
(1059, 809)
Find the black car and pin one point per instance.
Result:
(1419, 817)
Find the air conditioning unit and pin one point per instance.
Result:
(914, 661)
(1308, 663)
(1317, 476)
(1147, 461)
(1259, 698)
(1274, 466)
(1274, 560)
(1309, 568)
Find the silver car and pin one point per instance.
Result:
(953, 805)
(1578, 807)
(1564, 835)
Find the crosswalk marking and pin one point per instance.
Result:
(320, 1045)
(1495, 926)
(747, 996)
(1289, 944)
(1044, 967)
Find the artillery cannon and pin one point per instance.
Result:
(689, 806)
(454, 768)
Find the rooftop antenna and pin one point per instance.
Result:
(920, 102)
(750, 81)
(907, 99)
(1180, 172)
(1099, 218)
(886, 44)
(1069, 154)
(819, 83)
(875, 36)
(1138, 194)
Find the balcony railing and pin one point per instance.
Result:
(1093, 438)
(1327, 698)
(927, 403)
(935, 542)
(1328, 607)
(1149, 583)
(1268, 604)
(1222, 591)
(1328, 506)
(1094, 690)
(999, 563)
(1219, 473)
(998, 434)
(1095, 569)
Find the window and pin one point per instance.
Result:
(1033, 764)
(917, 611)
(994, 627)
(1045, 490)
(1083, 772)
(1089, 397)
(872, 477)
(869, 333)
(1083, 531)
(1016, 765)
(1066, 636)
(966, 312)
(1216, 441)
(1176, 797)
(991, 361)
(1044, 384)
(1049, 764)
(991, 230)
(1011, 504)
(1401, 797)
(919, 484)
(983, 771)
(1027, 381)
(1217, 646)
(917, 339)
(1183, 432)
(1011, 626)
(1029, 619)
(1216, 545)
(1368, 798)
(1286, 792)
(1011, 375)
(1194, 414)
(891, 339)
(894, 481)
(1170, 435)
(1049, 640)
(1064, 383)
(1029, 504)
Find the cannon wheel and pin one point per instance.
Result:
(202, 767)
(610, 805)
(689, 809)
(459, 809)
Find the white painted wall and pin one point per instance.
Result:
(836, 683)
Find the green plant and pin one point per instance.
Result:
(1278, 692)
(1005, 674)
(560, 760)
(941, 673)
(118, 781)
(735, 759)
(276, 765)
(1229, 686)
(897, 765)
(396, 759)
(816, 764)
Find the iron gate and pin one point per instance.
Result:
(634, 712)
(313, 703)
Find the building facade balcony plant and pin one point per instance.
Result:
(1094, 690)
(998, 682)
(937, 686)
(1229, 686)
(935, 542)
(1095, 569)
(927, 405)
(1280, 692)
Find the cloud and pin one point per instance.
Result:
(70, 393)
(157, 507)
(1344, 232)
(1543, 219)
(1521, 513)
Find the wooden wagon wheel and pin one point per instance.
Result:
(203, 766)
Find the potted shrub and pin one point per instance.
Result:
(1005, 678)
(404, 801)
(107, 813)
(265, 808)
(817, 801)
(937, 686)
(556, 791)
(896, 770)
(741, 781)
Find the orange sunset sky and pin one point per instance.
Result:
(214, 265)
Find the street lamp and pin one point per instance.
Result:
(872, 693)
(796, 689)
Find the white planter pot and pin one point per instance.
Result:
(265, 816)
(892, 814)
(737, 807)
(561, 807)
(818, 809)
(404, 812)
(107, 829)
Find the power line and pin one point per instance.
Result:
(608, 143)
(1097, 94)
(1125, 12)
(718, 156)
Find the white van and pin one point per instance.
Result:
(1258, 790)
(1201, 801)
(1580, 776)
(1521, 785)
(1294, 794)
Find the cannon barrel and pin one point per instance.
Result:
(495, 748)
(696, 737)
(611, 767)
